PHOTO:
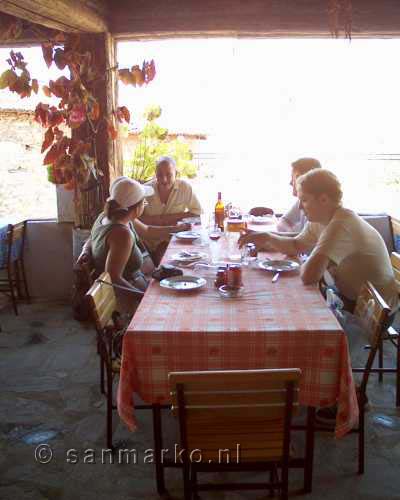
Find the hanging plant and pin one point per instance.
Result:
(340, 12)
(71, 161)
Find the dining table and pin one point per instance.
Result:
(274, 324)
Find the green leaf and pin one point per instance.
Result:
(7, 78)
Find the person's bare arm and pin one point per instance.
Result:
(284, 225)
(120, 246)
(157, 232)
(313, 269)
(86, 253)
(166, 219)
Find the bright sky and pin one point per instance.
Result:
(264, 103)
(292, 95)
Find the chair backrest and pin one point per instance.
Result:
(102, 300)
(15, 241)
(373, 313)
(220, 409)
(382, 223)
(395, 258)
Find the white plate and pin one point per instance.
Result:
(191, 220)
(265, 219)
(186, 256)
(187, 235)
(183, 283)
(279, 266)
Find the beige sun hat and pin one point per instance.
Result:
(127, 192)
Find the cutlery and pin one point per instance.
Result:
(275, 278)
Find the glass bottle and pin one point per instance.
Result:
(219, 213)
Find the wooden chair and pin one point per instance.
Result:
(103, 303)
(110, 328)
(247, 412)
(373, 313)
(13, 266)
(392, 336)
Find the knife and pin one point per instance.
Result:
(275, 278)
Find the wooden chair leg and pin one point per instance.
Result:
(272, 480)
(310, 436)
(186, 481)
(380, 361)
(24, 280)
(109, 408)
(398, 373)
(102, 388)
(361, 439)
(193, 482)
(12, 291)
(17, 280)
(157, 433)
(285, 483)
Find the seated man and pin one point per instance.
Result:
(294, 219)
(173, 200)
(339, 240)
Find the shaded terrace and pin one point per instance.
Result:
(50, 366)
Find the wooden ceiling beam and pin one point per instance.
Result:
(270, 18)
(65, 15)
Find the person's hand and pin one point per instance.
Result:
(83, 259)
(260, 240)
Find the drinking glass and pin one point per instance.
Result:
(233, 248)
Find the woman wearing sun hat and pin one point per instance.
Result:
(116, 231)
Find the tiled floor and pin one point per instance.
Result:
(50, 394)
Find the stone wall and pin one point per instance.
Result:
(24, 189)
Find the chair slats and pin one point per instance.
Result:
(233, 401)
(235, 417)
(13, 264)
(372, 311)
(247, 380)
(18, 231)
(239, 398)
(103, 300)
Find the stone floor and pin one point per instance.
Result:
(50, 394)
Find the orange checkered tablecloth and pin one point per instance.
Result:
(273, 325)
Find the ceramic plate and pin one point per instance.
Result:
(187, 235)
(279, 266)
(266, 219)
(183, 283)
(186, 256)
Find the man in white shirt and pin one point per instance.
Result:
(340, 242)
(295, 219)
(173, 200)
